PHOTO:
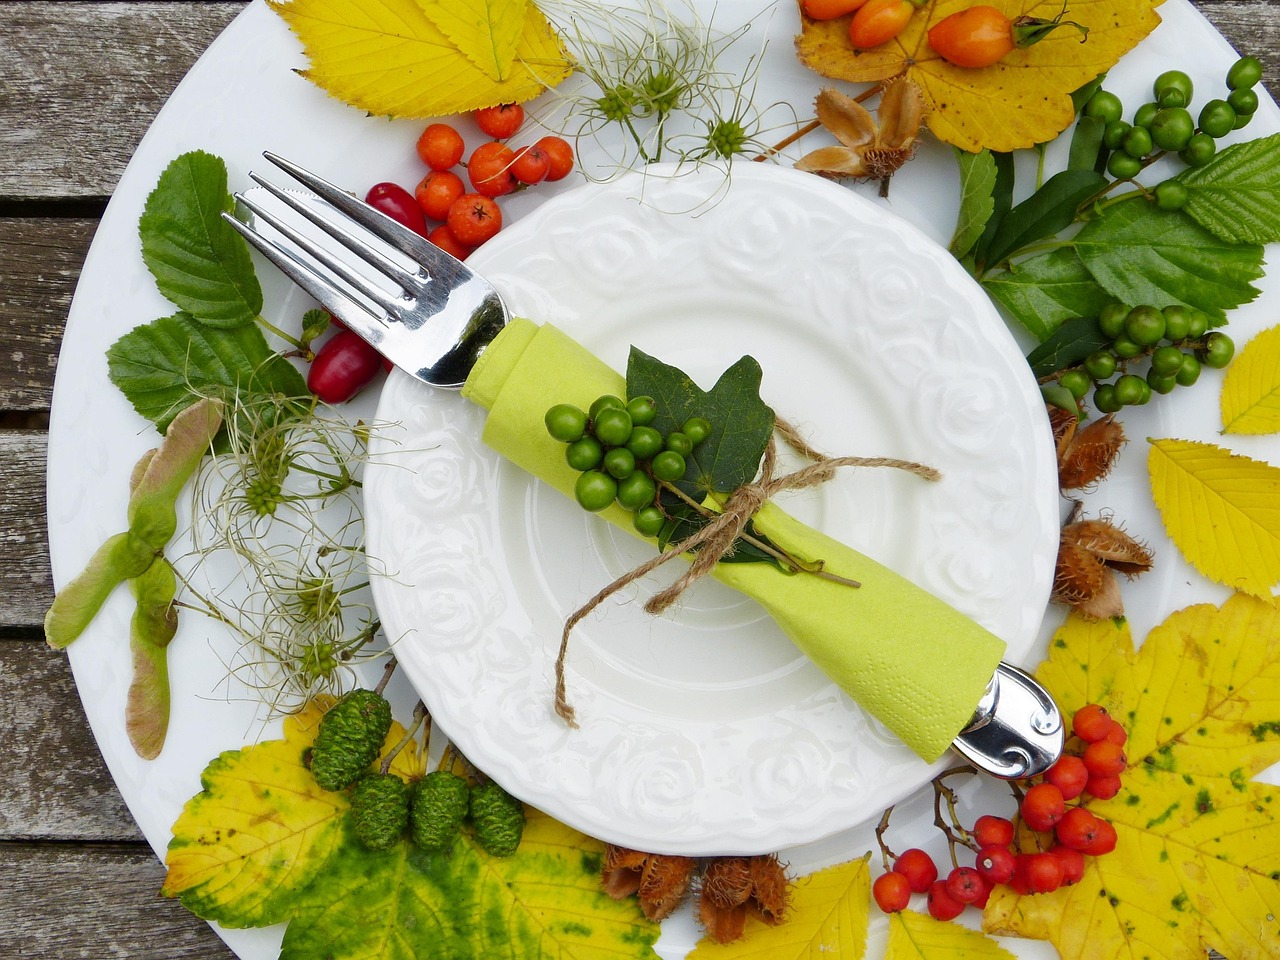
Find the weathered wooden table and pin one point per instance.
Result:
(79, 84)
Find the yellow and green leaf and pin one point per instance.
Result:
(1197, 862)
(1251, 388)
(417, 58)
(1222, 510)
(826, 917)
(1018, 102)
(915, 936)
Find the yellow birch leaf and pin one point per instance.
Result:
(389, 58)
(1222, 510)
(826, 917)
(1197, 859)
(1018, 102)
(915, 936)
(486, 31)
(1251, 388)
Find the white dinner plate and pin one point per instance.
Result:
(243, 97)
(705, 731)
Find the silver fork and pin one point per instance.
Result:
(432, 316)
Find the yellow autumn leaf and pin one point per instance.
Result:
(486, 31)
(1197, 859)
(826, 917)
(390, 58)
(1018, 102)
(1222, 510)
(916, 936)
(1251, 388)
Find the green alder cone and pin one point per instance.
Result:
(439, 805)
(380, 810)
(154, 623)
(497, 818)
(349, 738)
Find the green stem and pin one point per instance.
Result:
(292, 341)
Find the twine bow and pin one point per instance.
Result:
(717, 538)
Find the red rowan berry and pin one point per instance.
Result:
(1104, 758)
(996, 863)
(1091, 722)
(992, 831)
(1044, 873)
(1043, 806)
(918, 867)
(1069, 775)
(892, 892)
(964, 884)
(943, 906)
(1077, 829)
(1104, 788)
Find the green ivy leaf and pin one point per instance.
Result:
(1044, 291)
(1236, 195)
(1068, 345)
(1141, 254)
(741, 423)
(977, 203)
(165, 365)
(198, 260)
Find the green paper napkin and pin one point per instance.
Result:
(908, 658)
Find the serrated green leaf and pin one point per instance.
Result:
(1067, 346)
(165, 365)
(1002, 200)
(198, 260)
(1049, 210)
(977, 184)
(741, 423)
(1044, 291)
(1141, 254)
(1236, 195)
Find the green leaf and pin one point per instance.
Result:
(198, 260)
(741, 423)
(164, 366)
(1067, 346)
(1236, 195)
(1042, 292)
(1141, 254)
(977, 183)
(1086, 144)
(1049, 210)
(1002, 203)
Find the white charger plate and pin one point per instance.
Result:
(705, 731)
(242, 97)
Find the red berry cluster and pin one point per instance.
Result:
(441, 209)
(1052, 855)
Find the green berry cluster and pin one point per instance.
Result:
(1175, 342)
(1165, 124)
(621, 457)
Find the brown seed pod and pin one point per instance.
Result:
(621, 873)
(769, 889)
(664, 883)
(1090, 553)
(1087, 454)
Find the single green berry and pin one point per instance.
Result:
(497, 819)
(1104, 398)
(696, 429)
(349, 738)
(680, 442)
(1199, 150)
(605, 402)
(636, 491)
(1122, 166)
(1161, 383)
(1171, 195)
(1129, 390)
(1166, 361)
(1077, 381)
(1100, 365)
(1104, 105)
(1177, 322)
(1144, 114)
(565, 422)
(619, 463)
(1172, 128)
(1217, 118)
(1138, 142)
(595, 490)
(1173, 84)
(1114, 133)
(1111, 319)
(1199, 324)
(1244, 73)
(668, 465)
(380, 810)
(1145, 325)
(1242, 120)
(642, 410)
(649, 521)
(1125, 348)
(1244, 101)
(612, 426)
(1190, 371)
(644, 442)
(437, 807)
(584, 454)
(1217, 351)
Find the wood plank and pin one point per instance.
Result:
(40, 261)
(93, 903)
(69, 122)
(56, 786)
(25, 580)
(1251, 27)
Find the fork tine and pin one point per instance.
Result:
(356, 317)
(375, 221)
(362, 283)
(410, 281)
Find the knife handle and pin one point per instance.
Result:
(1016, 730)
